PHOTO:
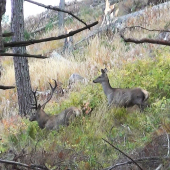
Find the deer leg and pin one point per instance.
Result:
(143, 106)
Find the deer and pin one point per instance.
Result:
(52, 122)
(120, 97)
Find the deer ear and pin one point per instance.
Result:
(105, 70)
(102, 71)
(39, 106)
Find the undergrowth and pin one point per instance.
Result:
(80, 145)
(127, 129)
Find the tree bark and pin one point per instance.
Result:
(25, 96)
(2, 11)
(61, 14)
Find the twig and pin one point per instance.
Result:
(56, 9)
(26, 43)
(23, 55)
(159, 167)
(146, 40)
(123, 153)
(167, 135)
(24, 165)
(143, 40)
(8, 34)
(36, 144)
(6, 87)
(138, 26)
(168, 143)
(136, 160)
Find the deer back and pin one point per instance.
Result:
(127, 97)
(63, 119)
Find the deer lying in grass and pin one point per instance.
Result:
(122, 97)
(52, 122)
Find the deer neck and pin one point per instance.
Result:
(42, 120)
(107, 88)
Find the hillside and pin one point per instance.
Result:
(144, 136)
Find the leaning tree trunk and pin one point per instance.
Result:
(2, 11)
(25, 96)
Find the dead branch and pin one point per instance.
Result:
(137, 26)
(137, 160)
(167, 135)
(56, 9)
(168, 143)
(159, 167)
(23, 55)
(122, 20)
(6, 87)
(8, 34)
(123, 154)
(143, 40)
(26, 43)
(24, 165)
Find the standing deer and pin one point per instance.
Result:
(122, 97)
(52, 122)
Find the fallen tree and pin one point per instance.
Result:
(122, 21)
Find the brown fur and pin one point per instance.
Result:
(53, 122)
(122, 97)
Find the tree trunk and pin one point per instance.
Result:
(2, 11)
(25, 96)
(61, 14)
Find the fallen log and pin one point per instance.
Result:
(121, 22)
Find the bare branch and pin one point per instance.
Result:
(6, 87)
(159, 167)
(138, 26)
(8, 34)
(23, 55)
(26, 43)
(167, 135)
(144, 40)
(23, 165)
(137, 160)
(123, 153)
(56, 9)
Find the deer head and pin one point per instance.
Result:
(103, 77)
(40, 115)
